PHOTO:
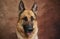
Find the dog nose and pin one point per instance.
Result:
(28, 28)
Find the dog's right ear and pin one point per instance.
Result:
(21, 6)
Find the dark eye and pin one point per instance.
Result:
(25, 18)
(32, 18)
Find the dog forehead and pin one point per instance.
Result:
(27, 13)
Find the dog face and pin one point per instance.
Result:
(27, 21)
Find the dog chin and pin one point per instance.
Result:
(28, 34)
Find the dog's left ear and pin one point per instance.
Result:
(34, 8)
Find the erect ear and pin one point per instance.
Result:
(34, 8)
(21, 6)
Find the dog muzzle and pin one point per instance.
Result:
(28, 29)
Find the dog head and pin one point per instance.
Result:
(27, 21)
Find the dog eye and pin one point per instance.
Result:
(25, 18)
(32, 18)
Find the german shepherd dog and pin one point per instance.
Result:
(27, 22)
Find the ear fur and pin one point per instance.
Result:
(34, 8)
(21, 6)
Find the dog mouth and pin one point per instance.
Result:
(28, 32)
(28, 29)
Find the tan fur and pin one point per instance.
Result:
(20, 30)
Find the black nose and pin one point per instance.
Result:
(28, 28)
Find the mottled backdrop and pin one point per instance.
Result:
(48, 18)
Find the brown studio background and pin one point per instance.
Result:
(48, 17)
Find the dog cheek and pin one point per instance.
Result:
(19, 26)
(34, 24)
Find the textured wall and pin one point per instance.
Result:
(48, 17)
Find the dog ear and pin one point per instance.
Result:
(34, 8)
(21, 6)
